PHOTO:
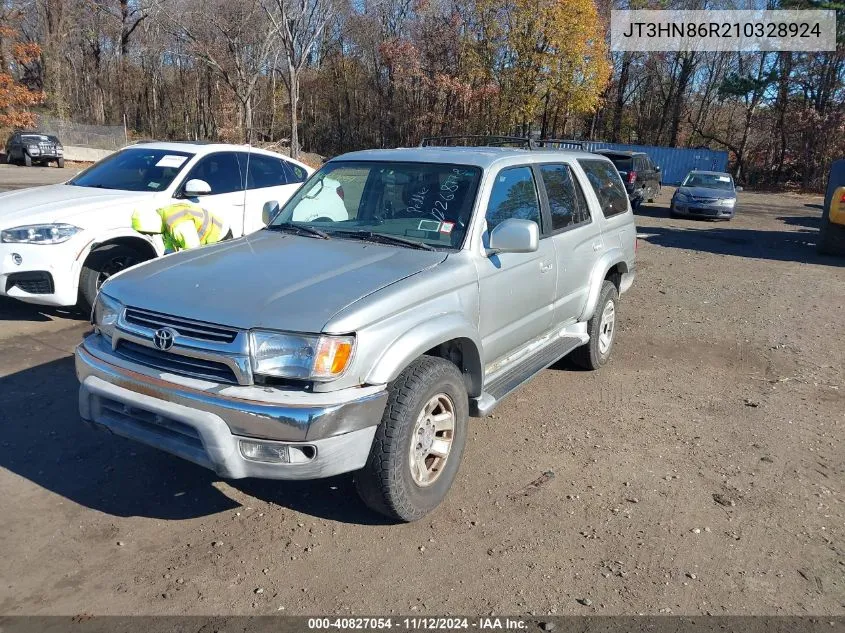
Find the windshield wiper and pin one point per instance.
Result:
(369, 236)
(299, 230)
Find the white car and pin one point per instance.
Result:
(60, 242)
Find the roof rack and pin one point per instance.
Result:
(477, 140)
(559, 143)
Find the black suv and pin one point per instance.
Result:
(28, 148)
(640, 175)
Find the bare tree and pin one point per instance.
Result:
(235, 39)
(300, 24)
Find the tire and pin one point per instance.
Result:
(60, 163)
(27, 159)
(101, 264)
(596, 353)
(8, 158)
(635, 203)
(386, 484)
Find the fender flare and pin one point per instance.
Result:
(116, 236)
(426, 335)
(613, 257)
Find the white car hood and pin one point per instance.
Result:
(64, 203)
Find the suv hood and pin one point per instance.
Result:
(61, 203)
(704, 192)
(268, 280)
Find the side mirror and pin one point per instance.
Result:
(269, 212)
(515, 236)
(737, 189)
(197, 187)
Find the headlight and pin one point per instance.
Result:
(33, 149)
(726, 202)
(105, 314)
(39, 234)
(682, 197)
(300, 356)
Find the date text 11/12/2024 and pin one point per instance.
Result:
(417, 623)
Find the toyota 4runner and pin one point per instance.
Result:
(314, 348)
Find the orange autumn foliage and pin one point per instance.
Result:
(16, 98)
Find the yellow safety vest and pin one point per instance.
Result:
(209, 228)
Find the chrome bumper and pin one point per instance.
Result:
(205, 427)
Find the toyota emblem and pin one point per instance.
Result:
(163, 338)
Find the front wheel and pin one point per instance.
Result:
(61, 163)
(602, 330)
(419, 443)
(27, 159)
(102, 264)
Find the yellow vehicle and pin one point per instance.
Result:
(832, 230)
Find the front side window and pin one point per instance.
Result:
(605, 181)
(424, 203)
(221, 171)
(514, 195)
(566, 201)
(134, 169)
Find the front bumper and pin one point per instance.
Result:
(701, 210)
(205, 426)
(59, 261)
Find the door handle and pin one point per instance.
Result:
(545, 267)
(596, 246)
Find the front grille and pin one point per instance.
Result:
(184, 327)
(36, 283)
(176, 363)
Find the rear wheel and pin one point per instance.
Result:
(8, 158)
(418, 445)
(101, 264)
(602, 330)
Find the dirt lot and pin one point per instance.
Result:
(700, 472)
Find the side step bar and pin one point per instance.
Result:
(523, 371)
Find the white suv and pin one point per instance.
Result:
(60, 242)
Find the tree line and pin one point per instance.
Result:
(331, 76)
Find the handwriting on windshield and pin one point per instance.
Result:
(446, 195)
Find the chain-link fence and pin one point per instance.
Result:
(70, 133)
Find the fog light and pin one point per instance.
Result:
(276, 452)
(263, 452)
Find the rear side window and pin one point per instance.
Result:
(265, 171)
(605, 181)
(295, 173)
(514, 195)
(566, 200)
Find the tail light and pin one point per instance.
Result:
(632, 177)
(340, 193)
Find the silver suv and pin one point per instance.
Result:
(314, 347)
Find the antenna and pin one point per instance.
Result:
(246, 178)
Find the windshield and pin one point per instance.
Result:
(709, 181)
(134, 169)
(424, 203)
(622, 162)
(36, 138)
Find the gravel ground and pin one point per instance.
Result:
(700, 472)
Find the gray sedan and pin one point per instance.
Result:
(706, 194)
